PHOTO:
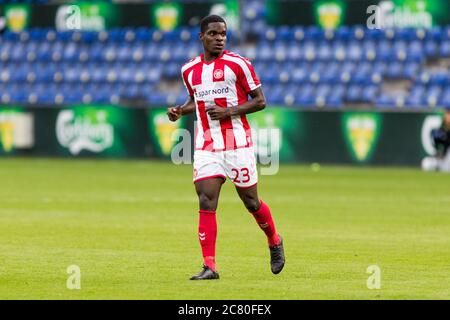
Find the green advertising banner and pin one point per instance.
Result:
(105, 131)
(16, 126)
(167, 16)
(17, 16)
(86, 15)
(415, 13)
(365, 137)
(276, 130)
(361, 132)
(273, 131)
(335, 137)
(162, 131)
(330, 14)
(324, 137)
(7, 129)
(309, 136)
(102, 15)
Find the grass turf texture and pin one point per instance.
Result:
(131, 226)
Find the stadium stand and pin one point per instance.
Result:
(300, 66)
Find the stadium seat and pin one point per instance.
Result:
(298, 65)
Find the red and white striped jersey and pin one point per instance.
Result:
(224, 82)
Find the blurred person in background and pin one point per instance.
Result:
(441, 141)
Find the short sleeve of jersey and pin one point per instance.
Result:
(248, 78)
(184, 76)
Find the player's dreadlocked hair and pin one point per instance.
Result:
(209, 19)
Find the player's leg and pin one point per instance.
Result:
(208, 191)
(261, 212)
(241, 168)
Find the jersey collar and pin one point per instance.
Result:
(202, 56)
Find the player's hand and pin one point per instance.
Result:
(217, 113)
(174, 113)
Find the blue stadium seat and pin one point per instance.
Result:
(314, 33)
(434, 34)
(325, 51)
(431, 48)
(394, 70)
(300, 65)
(343, 34)
(332, 74)
(264, 52)
(277, 94)
(334, 101)
(123, 53)
(143, 34)
(181, 98)
(358, 32)
(298, 33)
(385, 101)
(354, 93)
(299, 75)
(268, 75)
(38, 34)
(439, 79)
(445, 49)
(445, 98)
(416, 97)
(369, 93)
(171, 70)
(305, 96)
(64, 36)
(384, 51)
(284, 33)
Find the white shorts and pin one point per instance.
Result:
(239, 165)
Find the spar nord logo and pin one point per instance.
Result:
(361, 133)
(86, 131)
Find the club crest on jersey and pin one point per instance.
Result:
(218, 74)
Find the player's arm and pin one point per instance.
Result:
(255, 104)
(175, 113)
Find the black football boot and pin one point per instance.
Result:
(206, 274)
(277, 258)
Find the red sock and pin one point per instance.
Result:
(265, 221)
(207, 234)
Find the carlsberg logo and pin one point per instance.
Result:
(82, 132)
(388, 14)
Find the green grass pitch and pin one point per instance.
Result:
(131, 227)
